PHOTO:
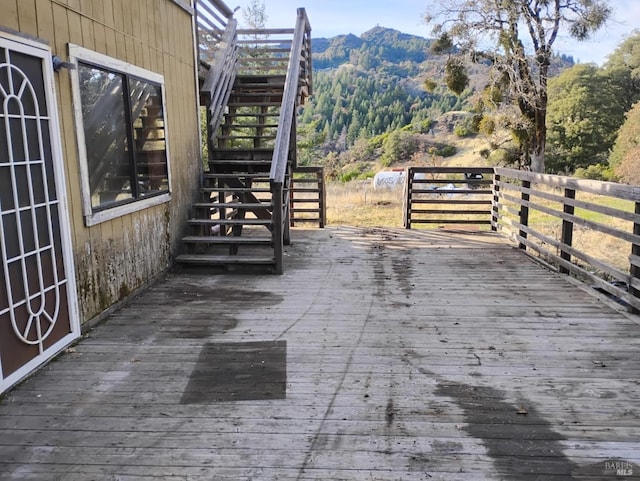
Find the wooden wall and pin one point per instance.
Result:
(116, 257)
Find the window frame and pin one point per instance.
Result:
(91, 216)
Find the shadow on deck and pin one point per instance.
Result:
(379, 354)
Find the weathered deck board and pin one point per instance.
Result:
(401, 355)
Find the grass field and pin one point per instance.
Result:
(357, 204)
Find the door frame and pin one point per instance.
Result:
(43, 51)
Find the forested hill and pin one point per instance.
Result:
(373, 48)
(369, 91)
(369, 85)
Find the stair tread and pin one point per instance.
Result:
(232, 205)
(240, 170)
(249, 126)
(250, 93)
(270, 81)
(275, 84)
(247, 162)
(265, 78)
(219, 259)
(227, 240)
(305, 201)
(254, 104)
(234, 189)
(240, 149)
(229, 221)
(244, 137)
(252, 114)
(239, 175)
(240, 161)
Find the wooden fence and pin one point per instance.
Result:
(585, 228)
(308, 196)
(448, 195)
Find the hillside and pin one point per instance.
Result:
(369, 102)
(370, 108)
(369, 94)
(374, 48)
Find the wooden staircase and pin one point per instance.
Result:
(232, 224)
(241, 219)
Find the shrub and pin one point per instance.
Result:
(595, 172)
(461, 130)
(444, 150)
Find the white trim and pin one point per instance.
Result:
(24, 39)
(76, 54)
(124, 209)
(19, 44)
(80, 53)
(36, 362)
(81, 143)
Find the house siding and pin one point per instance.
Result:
(117, 257)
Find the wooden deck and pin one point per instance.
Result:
(378, 355)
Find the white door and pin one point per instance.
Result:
(38, 303)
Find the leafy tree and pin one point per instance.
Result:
(623, 67)
(255, 15)
(255, 18)
(309, 141)
(625, 157)
(594, 172)
(362, 151)
(399, 146)
(520, 35)
(586, 108)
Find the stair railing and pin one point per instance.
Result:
(212, 17)
(219, 81)
(297, 85)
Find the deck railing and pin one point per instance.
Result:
(296, 88)
(448, 195)
(212, 17)
(218, 53)
(585, 228)
(308, 196)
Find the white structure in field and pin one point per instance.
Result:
(389, 179)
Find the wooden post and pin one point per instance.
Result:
(407, 199)
(567, 229)
(210, 140)
(524, 213)
(495, 208)
(635, 254)
(277, 234)
(322, 197)
(286, 215)
(292, 193)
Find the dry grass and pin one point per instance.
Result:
(358, 204)
(601, 246)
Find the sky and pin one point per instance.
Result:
(336, 17)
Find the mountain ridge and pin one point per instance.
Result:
(373, 47)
